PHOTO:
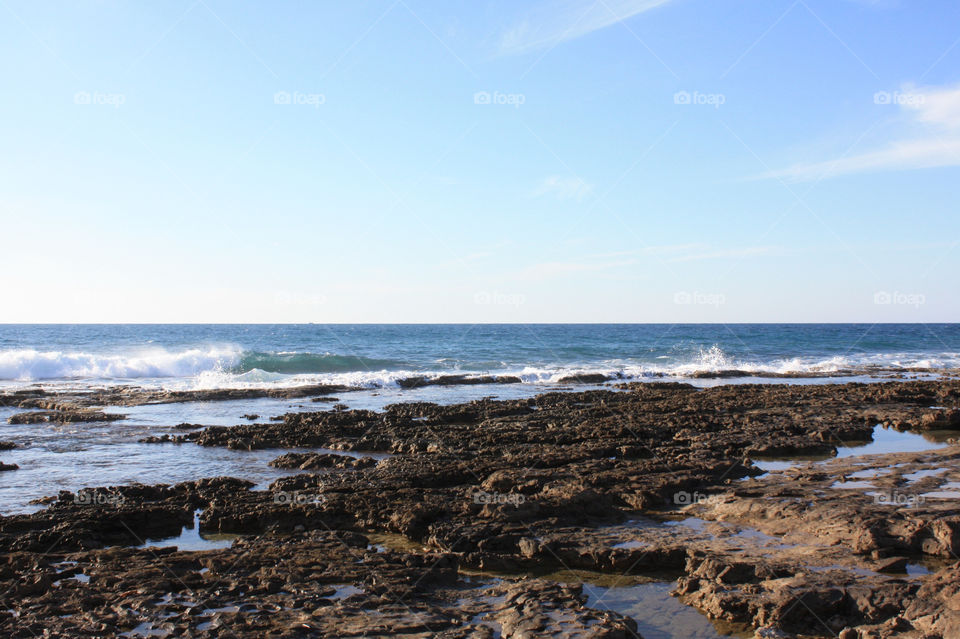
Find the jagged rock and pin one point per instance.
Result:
(321, 461)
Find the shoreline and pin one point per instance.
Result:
(35, 393)
(648, 480)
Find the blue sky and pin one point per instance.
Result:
(480, 161)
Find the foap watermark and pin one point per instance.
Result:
(899, 98)
(297, 498)
(499, 97)
(497, 499)
(699, 298)
(900, 500)
(896, 298)
(298, 98)
(96, 498)
(716, 100)
(487, 298)
(683, 498)
(98, 98)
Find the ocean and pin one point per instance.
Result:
(203, 356)
(71, 456)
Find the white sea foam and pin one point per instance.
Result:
(256, 378)
(32, 365)
(711, 363)
(221, 366)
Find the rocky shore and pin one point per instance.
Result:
(455, 521)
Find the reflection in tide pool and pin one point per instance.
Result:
(658, 615)
(888, 440)
(885, 440)
(192, 539)
(55, 457)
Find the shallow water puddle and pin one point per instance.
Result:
(695, 523)
(920, 474)
(63, 566)
(921, 567)
(213, 611)
(146, 629)
(872, 473)
(724, 530)
(54, 457)
(344, 591)
(491, 604)
(484, 619)
(888, 440)
(381, 542)
(657, 613)
(173, 600)
(191, 539)
(629, 545)
(948, 490)
(885, 440)
(82, 578)
(852, 485)
(646, 600)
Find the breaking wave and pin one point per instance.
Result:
(230, 366)
(32, 365)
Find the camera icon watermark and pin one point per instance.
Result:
(487, 298)
(297, 98)
(716, 100)
(297, 498)
(698, 298)
(683, 498)
(901, 500)
(484, 498)
(95, 498)
(98, 98)
(498, 97)
(899, 98)
(896, 298)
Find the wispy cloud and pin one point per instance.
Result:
(564, 188)
(935, 109)
(551, 23)
(937, 106)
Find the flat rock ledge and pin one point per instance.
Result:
(457, 531)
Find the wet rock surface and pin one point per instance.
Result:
(651, 479)
(457, 380)
(313, 584)
(38, 398)
(120, 515)
(851, 529)
(321, 461)
(63, 416)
